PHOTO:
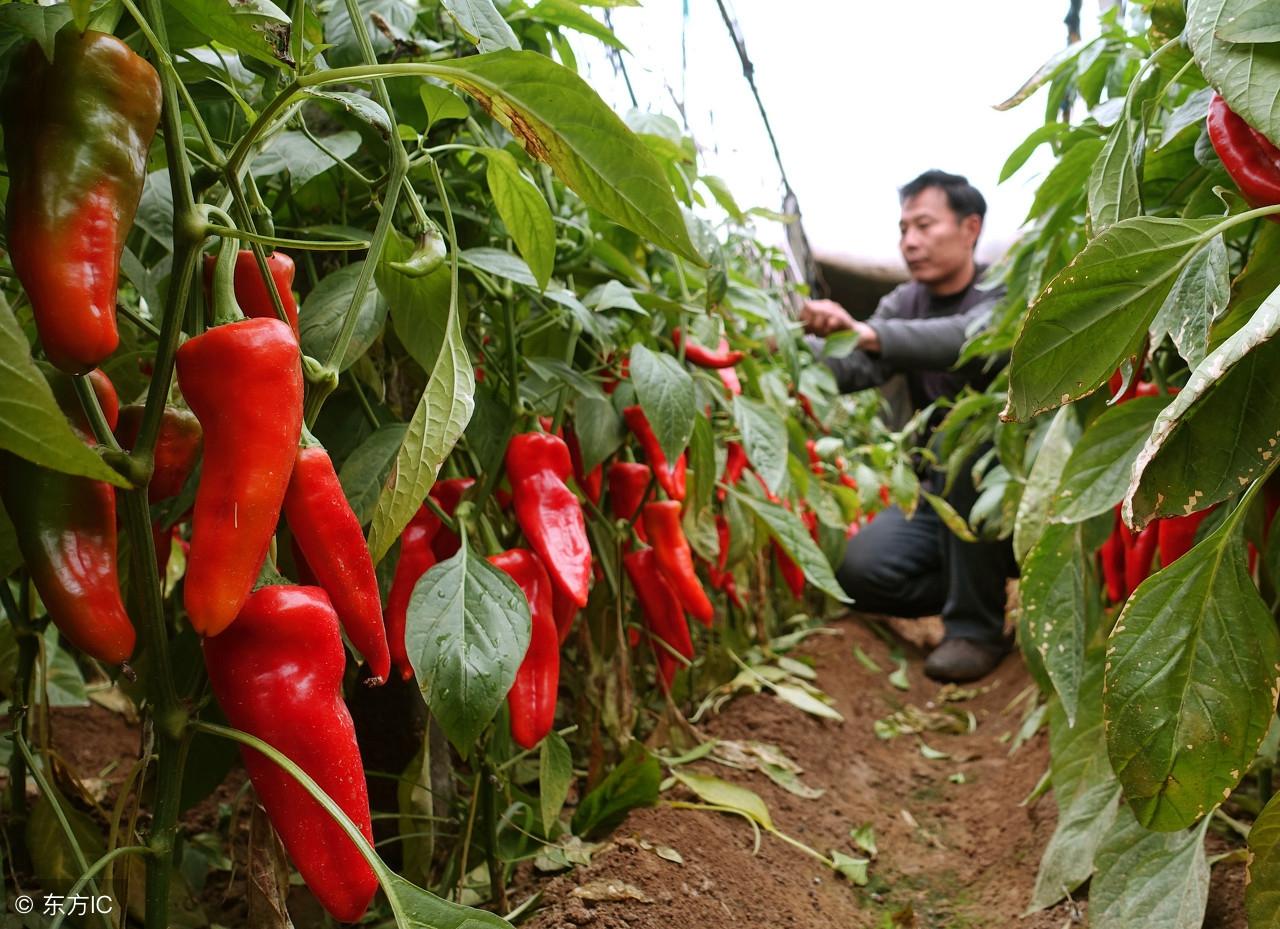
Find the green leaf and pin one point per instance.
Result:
(1260, 24)
(1198, 298)
(718, 792)
(257, 28)
(950, 518)
(1097, 473)
(764, 436)
(39, 23)
(421, 909)
(293, 152)
(524, 212)
(482, 25)
(665, 391)
(1096, 311)
(1191, 683)
(438, 422)
(702, 461)
(419, 305)
(724, 196)
(358, 105)
(1114, 189)
(864, 837)
(10, 556)
(1046, 472)
(31, 424)
(1262, 887)
(567, 14)
(851, 869)
(1261, 276)
(1149, 878)
(1219, 432)
(366, 469)
(394, 18)
(600, 430)
(1069, 178)
(466, 630)
(442, 103)
(555, 777)
(321, 315)
(633, 783)
(785, 527)
(53, 857)
(1052, 620)
(1245, 74)
(556, 116)
(554, 370)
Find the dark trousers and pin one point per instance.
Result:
(918, 567)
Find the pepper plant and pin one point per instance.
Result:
(505, 294)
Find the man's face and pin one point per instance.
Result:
(935, 244)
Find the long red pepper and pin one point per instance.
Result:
(675, 559)
(791, 572)
(177, 447)
(548, 512)
(671, 478)
(719, 357)
(1251, 159)
(628, 482)
(1139, 556)
(416, 559)
(277, 674)
(591, 483)
(243, 381)
(735, 463)
(1178, 534)
(1113, 554)
(532, 698)
(251, 289)
(661, 608)
(332, 542)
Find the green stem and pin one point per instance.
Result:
(28, 649)
(93, 871)
(489, 799)
(93, 410)
(145, 325)
(313, 245)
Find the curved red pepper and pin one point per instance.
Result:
(445, 542)
(791, 572)
(675, 559)
(1249, 157)
(1178, 534)
(670, 478)
(661, 608)
(1113, 556)
(1139, 555)
(729, 377)
(628, 483)
(243, 381)
(532, 698)
(177, 447)
(548, 512)
(251, 289)
(735, 463)
(277, 674)
(416, 559)
(719, 357)
(332, 543)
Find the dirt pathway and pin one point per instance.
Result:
(955, 845)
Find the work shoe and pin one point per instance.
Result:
(959, 661)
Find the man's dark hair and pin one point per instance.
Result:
(963, 198)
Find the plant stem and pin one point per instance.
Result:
(28, 648)
(489, 799)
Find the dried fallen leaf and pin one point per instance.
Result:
(610, 891)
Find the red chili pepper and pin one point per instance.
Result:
(769, 494)
(416, 559)
(1249, 157)
(1139, 556)
(66, 531)
(729, 377)
(1178, 534)
(807, 406)
(1113, 556)
(628, 482)
(448, 494)
(332, 543)
(884, 494)
(251, 288)
(532, 698)
(810, 519)
(791, 572)
(590, 484)
(815, 460)
(243, 381)
(277, 674)
(719, 357)
(564, 611)
(661, 609)
(548, 512)
(177, 447)
(612, 379)
(662, 520)
(670, 478)
(734, 465)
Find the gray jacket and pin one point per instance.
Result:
(920, 337)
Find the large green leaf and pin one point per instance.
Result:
(321, 315)
(635, 782)
(1084, 787)
(764, 436)
(556, 116)
(1219, 432)
(1149, 879)
(1046, 472)
(1191, 683)
(1096, 311)
(31, 424)
(1114, 189)
(466, 631)
(438, 422)
(555, 777)
(1262, 891)
(1052, 622)
(1199, 296)
(785, 527)
(257, 28)
(366, 468)
(1246, 74)
(665, 391)
(1097, 473)
(524, 212)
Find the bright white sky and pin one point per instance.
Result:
(863, 96)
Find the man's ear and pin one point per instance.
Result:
(971, 225)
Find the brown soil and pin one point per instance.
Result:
(950, 854)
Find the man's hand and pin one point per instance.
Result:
(823, 317)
